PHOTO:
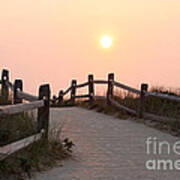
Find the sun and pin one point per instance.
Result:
(106, 41)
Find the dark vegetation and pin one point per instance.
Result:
(47, 153)
(15, 127)
(38, 156)
(154, 105)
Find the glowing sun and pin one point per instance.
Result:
(106, 41)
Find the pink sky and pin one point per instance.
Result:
(57, 40)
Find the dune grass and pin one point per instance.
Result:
(38, 156)
(15, 127)
(154, 105)
(35, 157)
(158, 106)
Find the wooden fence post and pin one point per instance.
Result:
(144, 88)
(91, 87)
(110, 87)
(4, 87)
(43, 112)
(54, 100)
(18, 85)
(73, 90)
(60, 98)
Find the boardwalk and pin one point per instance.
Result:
(107, 148)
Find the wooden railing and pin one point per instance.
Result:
(40, 102)
(111, 83)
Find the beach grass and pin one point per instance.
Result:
(38, 156)
(154, 105)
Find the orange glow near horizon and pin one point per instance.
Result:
(56, 41)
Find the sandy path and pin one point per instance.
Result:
(107, 148)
